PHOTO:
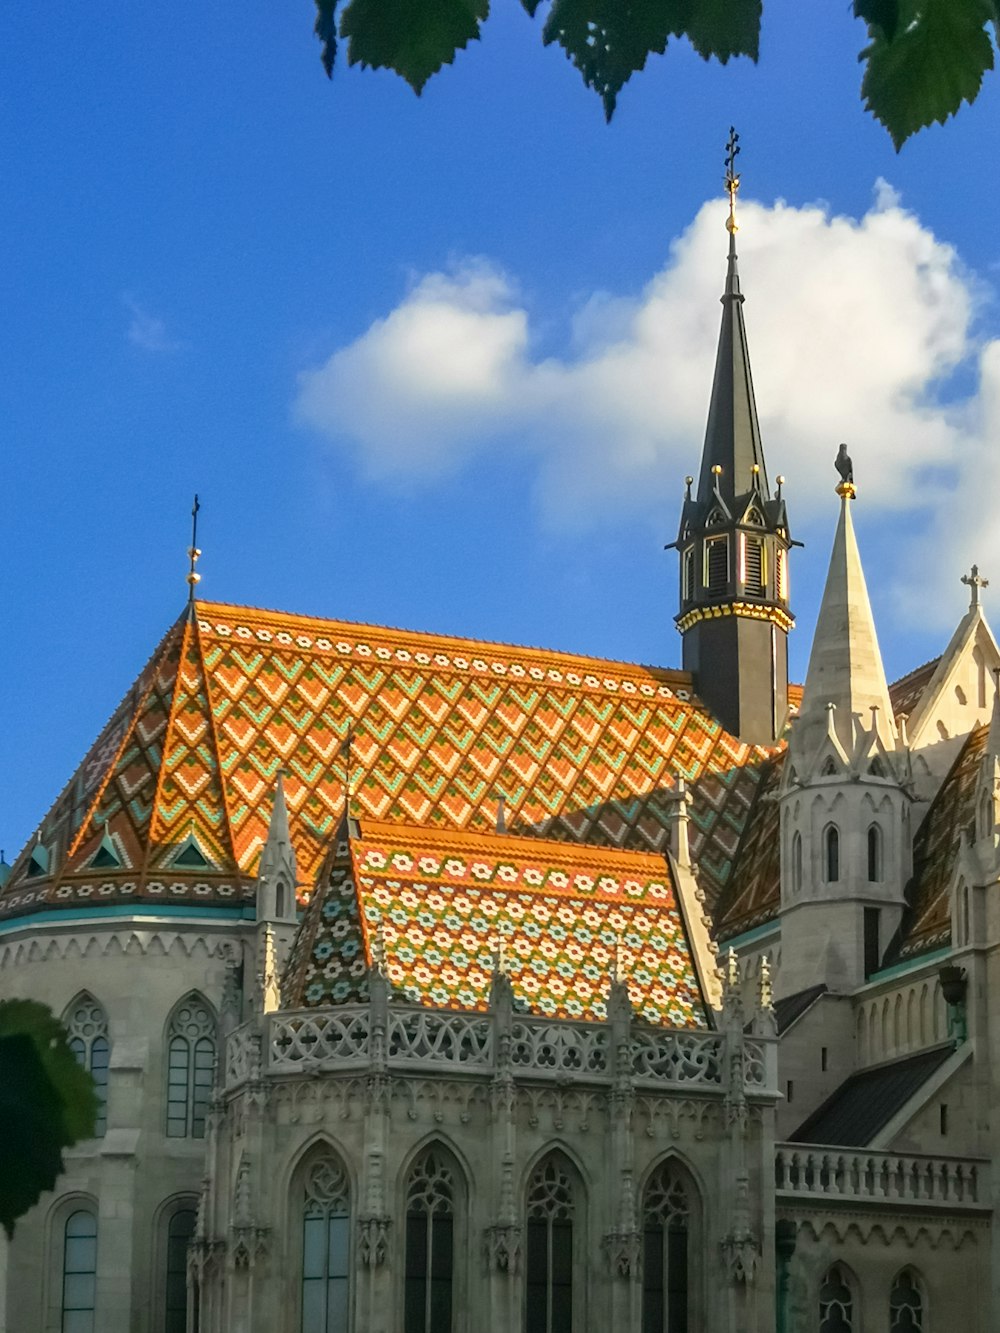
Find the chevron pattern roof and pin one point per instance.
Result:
(580, 748)
(441, 902)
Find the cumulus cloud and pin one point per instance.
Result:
(147, 331)
(859, 330)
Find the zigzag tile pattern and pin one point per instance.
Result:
(442, 901)
(581, 749)
(753, 895)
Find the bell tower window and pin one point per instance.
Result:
(781, 565)
(717, 565)
(875, 855)
(687, 591)
(754, 573)
(831, 849)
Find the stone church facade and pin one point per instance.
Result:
(431, 984)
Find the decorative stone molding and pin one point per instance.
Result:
(373, 1240)
(248, 1245)
(69, 944)
(741, 1252)
(503, 1248)
(621, 1249)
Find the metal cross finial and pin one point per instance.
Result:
(972, 580)
(193, 577)
(732, 176)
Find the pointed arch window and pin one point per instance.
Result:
(549, 1246)
(985, 815)
(906, 1304)
(190, 1068)
(836, 1302)
(326, 1244)
(716, 573)
(831, 853)
(180, 1230)
(687, 565)
(87, 1025)
(79, 1276)
(875, 873)
(430, 1247)
(797, 863)
(665, 1253)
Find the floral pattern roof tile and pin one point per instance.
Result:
(439, 903)
(581, 749)
(753, 895)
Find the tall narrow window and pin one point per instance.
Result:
(665, 1218)
(430, 1216)
(190, 1067)
(326, 1244)
(688, 565)
(79, 1284)
(179, 1232)
(754, 573)
(874, 855)
(836, 1303)
(551, 1206)
(906, 1304)
(782, 574)
(717, 565)
(832, 848)
(87, 1025)
(797, 863)
(872, 944)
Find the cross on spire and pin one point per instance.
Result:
(732, 177)
(974, 582)
(193, 577)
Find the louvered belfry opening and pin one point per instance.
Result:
(753, 581)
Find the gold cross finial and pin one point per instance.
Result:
(193, 577)
(975, 582)
(732, 177)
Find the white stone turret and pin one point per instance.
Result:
(277, 876)
(846, 839)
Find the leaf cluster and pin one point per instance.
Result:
(47, 1103)
(923, 58)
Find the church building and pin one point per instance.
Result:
(432, 985)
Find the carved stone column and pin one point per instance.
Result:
(503, 1234)
(740, 1245)
(374, 1223)
(622, 1242)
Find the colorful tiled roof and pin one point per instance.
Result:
(172, 802)
(753, 894)
(927, 920)
(906, 693)
(439, 902)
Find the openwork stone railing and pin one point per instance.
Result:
(306, 1041)
(852, 1175)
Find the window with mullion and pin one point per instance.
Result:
(430, 1246)
(326, 1246)
(79, 1284)
(87, 1025)
(549, 1250)
(665, 1268)
(190, 1069)
(179, 1233)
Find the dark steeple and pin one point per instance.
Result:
(734, 540)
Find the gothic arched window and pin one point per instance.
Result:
(797, 863)
(549, 1245)
(836, 1302)
(831, 849)
(87, 1025)
(875, 855)
(906, 1304)
(79, 1277)
(430, 1219)
(326, 1245)
(180, 1229)
(665, 1220)
(190, 1068)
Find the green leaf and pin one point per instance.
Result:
(934, 63)
(883, 14)
(326, 30)
(71, 1083)
(30, 1129)
(609, 40)
(413, 37)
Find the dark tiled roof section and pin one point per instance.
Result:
(868, 1100)
(753, 894)
(791, 1007)
(926, 922)
(905, 693)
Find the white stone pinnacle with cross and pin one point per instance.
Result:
(975, 582)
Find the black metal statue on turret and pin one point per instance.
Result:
(844, 465)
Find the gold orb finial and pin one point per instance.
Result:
(194, 552)
(732, 179)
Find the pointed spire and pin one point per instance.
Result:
(845, 665)
(277, 860)
(732, 461)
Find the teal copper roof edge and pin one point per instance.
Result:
(749, 936)
(909, 965)
(169, 911)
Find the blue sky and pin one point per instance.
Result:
(222, 273)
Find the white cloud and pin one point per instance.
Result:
(147, 331)
(855, 328)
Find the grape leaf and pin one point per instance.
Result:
(934, 63)
(413, 37)
(883, 14)
(73, 1085)
(326, 30)
(609, 40)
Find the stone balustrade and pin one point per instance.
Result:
(530, 1046)
(809, 1172)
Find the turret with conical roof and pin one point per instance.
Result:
(733, 543)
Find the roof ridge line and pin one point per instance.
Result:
(185, 621)
(215, 746)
